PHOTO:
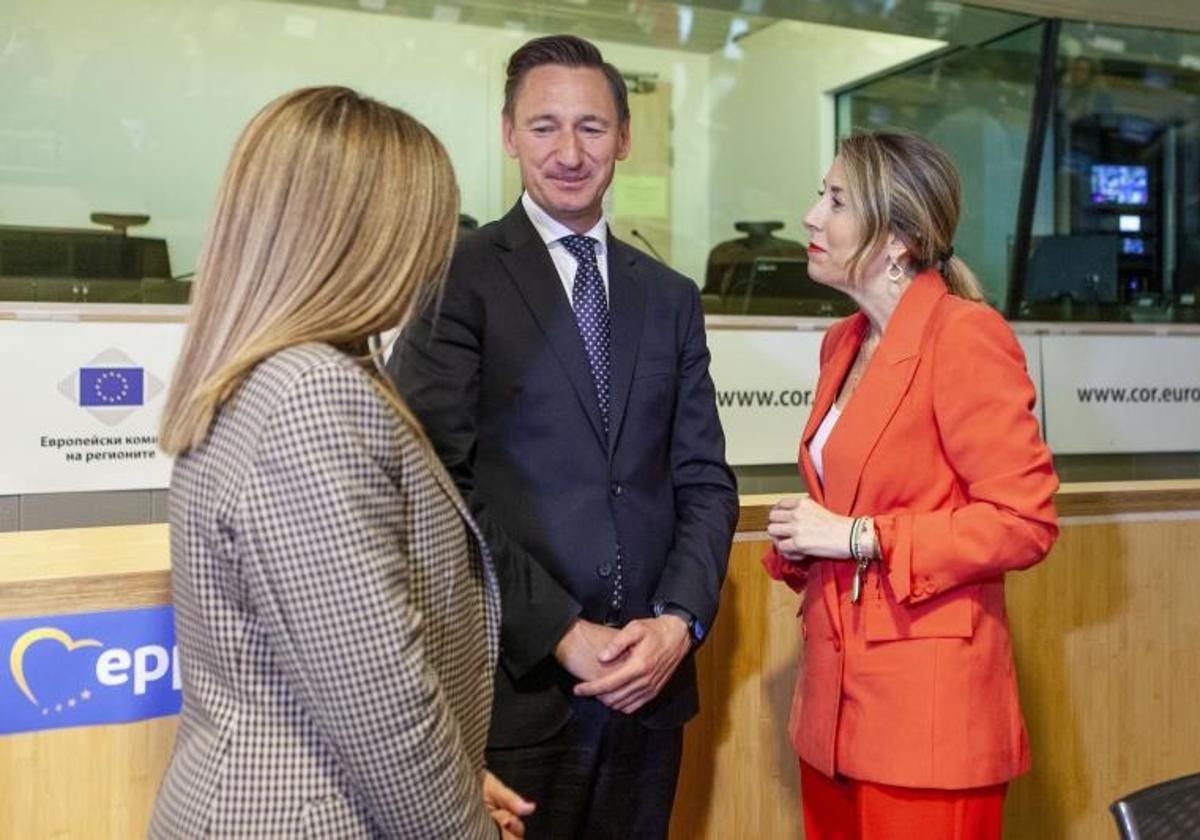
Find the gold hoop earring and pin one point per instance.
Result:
(894, 272)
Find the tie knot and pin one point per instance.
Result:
(581, 247)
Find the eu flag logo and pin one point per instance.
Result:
(117, 386)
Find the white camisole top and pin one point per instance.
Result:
(816, 446)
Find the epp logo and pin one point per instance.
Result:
(62, 674)
(110, 387)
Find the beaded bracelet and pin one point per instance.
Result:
(857, 552)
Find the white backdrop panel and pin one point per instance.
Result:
(765, 380)
(1121, 393)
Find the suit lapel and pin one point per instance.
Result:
(828, 385)
(627, 306)
(525, 258)
(880, 391)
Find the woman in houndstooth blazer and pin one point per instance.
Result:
(337, 614)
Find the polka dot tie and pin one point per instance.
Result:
(591, 314)
(595, 326)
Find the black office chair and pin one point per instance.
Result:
(1166, 811)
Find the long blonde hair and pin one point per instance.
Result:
(903, 184)
(334, 222)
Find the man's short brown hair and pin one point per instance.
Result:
(567, 51)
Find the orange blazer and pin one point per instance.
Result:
(915, 685)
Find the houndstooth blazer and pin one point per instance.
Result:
(337, 620)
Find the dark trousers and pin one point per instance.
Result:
(603, 776)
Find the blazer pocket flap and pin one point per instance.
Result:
(949, 616)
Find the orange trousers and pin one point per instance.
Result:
(845, 809)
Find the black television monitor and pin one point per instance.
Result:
(1120, 185)
(1081, 267)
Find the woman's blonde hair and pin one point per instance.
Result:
(334, 222)
(903, 184)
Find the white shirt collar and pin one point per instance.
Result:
(551, 230)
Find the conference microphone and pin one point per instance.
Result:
(646, 242)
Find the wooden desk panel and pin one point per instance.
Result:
(1107, 640)
(84, 569)
(91, 783)
(1107, 636)
(739, 775)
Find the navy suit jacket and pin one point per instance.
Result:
(497, 373)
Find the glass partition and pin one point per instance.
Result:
(1113, 219)
(1116, 234)
(116, 119)
(976, 104)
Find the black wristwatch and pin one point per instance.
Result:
(695, 628)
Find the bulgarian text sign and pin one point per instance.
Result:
(84, 404)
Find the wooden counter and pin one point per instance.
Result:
(1107, 640)
(83, 569)
(1106, 631)
(90, 783)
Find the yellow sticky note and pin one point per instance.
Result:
(640, 196)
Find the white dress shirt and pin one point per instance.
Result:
(551, 231)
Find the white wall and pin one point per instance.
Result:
(772, 122)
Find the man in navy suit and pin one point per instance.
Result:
(563, 379)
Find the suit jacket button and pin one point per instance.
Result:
(604, 569)
(617, 489)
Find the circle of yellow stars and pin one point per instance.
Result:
(111, 398)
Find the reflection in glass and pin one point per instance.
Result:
(87, 266)
(976, 104)
(1125, 160)
(131, 107)
(1122, 156)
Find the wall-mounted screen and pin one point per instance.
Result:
(1120, 184)
(1133, 245)
(1129, 224)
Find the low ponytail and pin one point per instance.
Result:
(960, 280)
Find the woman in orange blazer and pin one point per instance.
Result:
(928, 480)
